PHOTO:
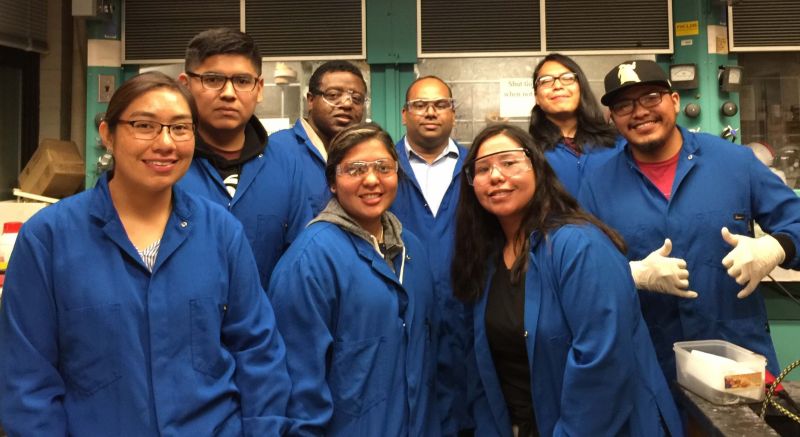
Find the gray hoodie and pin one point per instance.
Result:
(392, 229)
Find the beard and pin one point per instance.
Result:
(649, 147)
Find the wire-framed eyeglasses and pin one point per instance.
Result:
(626, 106)
(149, 130)
(565, 79)
(215, 81)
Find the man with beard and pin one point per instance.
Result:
(337, 96)
(233, 165)
(426, 204)
(693, 196)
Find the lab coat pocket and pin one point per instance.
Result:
(356, 377)
(707, 230)
(206, 320)
(91, 361)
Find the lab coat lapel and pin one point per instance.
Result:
(405, 164)
(483, 355)
(368, 253)
(689, 155)
(535, 281)
(102, 209)
(178, 227)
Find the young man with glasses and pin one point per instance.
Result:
(336, 99)
(233, 163)
(694, 197)
(426, 205)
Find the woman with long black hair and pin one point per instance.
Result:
(567, 122)
(559, 345)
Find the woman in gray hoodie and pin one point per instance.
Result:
(353, 297)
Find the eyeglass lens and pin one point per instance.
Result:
(335, 96)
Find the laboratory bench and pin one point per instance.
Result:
(707, 419)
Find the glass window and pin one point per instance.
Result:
(770, 108)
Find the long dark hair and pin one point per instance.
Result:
(593, 129)
(478, 232)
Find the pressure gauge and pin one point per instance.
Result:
(730, 78)
(735, 76)
(683, 76)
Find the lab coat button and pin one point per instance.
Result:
(184, 224)
(690, 157)
(260, 155)
(526, 334)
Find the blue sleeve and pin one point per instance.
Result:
(250, 333)
(31, 388)
(776, 208)
(302, 293)
(477, 401)
(599, 304)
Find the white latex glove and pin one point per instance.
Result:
(751, 259)
(659, 273)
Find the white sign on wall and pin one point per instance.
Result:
(516, 97)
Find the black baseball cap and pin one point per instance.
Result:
(634, 72)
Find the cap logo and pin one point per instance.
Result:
(627, 73)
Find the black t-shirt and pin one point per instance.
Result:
(505, 330)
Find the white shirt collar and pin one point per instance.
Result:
(450, 150)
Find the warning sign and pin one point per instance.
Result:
(687, 28)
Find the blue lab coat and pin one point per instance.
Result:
(269, 202)
(592, 364)
(360, 345)
(294, 142)
(93, 344)
(570, 168)
(437, 233)
(717, 184)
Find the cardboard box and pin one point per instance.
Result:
(56, 169)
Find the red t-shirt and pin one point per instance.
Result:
(661, 174)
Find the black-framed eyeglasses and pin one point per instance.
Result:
(359, 169)
(149, 130)
(649, 100)
(337, 96)
(215, 81)
(420, 106)
(547, 81)
(509, 163)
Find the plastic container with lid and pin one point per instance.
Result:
(7, 240)
(720, 372)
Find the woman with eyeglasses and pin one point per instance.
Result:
(567, 121)
(354, 301)
(559, 344)
(134, 308)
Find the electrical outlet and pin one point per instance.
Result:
(105, 87)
